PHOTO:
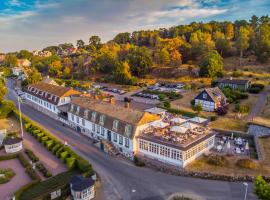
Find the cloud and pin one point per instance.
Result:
(14, 3)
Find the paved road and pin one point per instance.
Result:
(259, 104)
(123, 181)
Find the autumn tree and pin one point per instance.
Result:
(55, 68)
(263, 50)
(211, 65)
(122, 38)
(3, 89)
(10, 60)
(122, 74)
(242, 42)
(140, 61)
(94, 43)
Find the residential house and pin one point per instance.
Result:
(107, 121)
(42, 53)
(235, 84)
(210, 99)
(49, 98)
(82, 188)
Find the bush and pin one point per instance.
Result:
(234, 95)
(43, 170)
(31, 155)
(71, 162)
(23, 160)
(242, 108)
(256, 88)
(49, 144)
(19, 192)
(138, 162)
(59, 151)
(55, 148)
(83, 165)
(217, 160)
(6, 108)
(237, 74)
(192, 102)
(246, 163)
(63, 156)
(8, 174)
(222, 111)
(8, 157)
(262, 188)
(32, 173)
(213, 118)
(167, 104)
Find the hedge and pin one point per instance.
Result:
(8, 157)
(57, 147)
(20, 191)
(23, 160)
(181, 112)
(44, 170)
(63, 156)
(71, 162)
(31, 155)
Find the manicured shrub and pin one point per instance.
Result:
(49, 144)
(28, 126)
(43, 170)
(8, 157)
(63, 156)
(256, 88)
(246, 163)
(55, 148)
(71, 162)
(59, 151)
(32, 173)
(31, 155)
(39, 136)
(35, 132)
(23, 160)
(44, 139)
(218, 160)
(83, 165)
(8, 175)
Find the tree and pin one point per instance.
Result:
(140, 61)
(122, 74)
(211, 65)
(95, 42)
(122, 38)
(263, 49)
(10, 60)
(164, 57)
(198, 108)
(33, 77)
(24, 54)
(229, 31)
(80, 44)
(3, 90)
(261, 188)
(242, 42)
(223, 46)
(55, 68)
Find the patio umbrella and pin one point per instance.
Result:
(178, 129)
(159, 124)
(247, 146)
(178, 120)
(228, 145)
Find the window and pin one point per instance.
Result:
(128, 130)
(72, 117)
(78, 110)
(115, 125)
(63, 100)
(85, 114)
(72, 108)
(98, 129)
(126, 142)
(78, 120)
(93, 127)
(204, 95)
(114, 137)
(94, 115)
(120, 139)
(143, 145)
(153, 148)
(176, 155)
(102, 131)
(102, 119)
(83, 122)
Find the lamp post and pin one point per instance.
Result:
(19, 103)
(246, 184)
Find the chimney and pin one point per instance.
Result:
(111, 100)
(126, 104)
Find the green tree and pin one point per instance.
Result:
(198, 108)
(263, 49)
(95, 42)
(223, 46)
(164, 57)
(3, 90)
(55, 68)
(24, 54)
(33, 77)
(122, 74)
(211, 65)
(122, 38)
(242, 42)
(140, 61)
(10, 60)
(80, 44)
(261, 188)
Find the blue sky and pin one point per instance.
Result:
(34, 24)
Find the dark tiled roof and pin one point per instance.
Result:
(233, 81)
(80, 183)
(54, 92)
(125, 116)
(215, 93)
(12, 140)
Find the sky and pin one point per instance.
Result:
(35, 24)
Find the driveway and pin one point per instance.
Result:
(121, 180)
(20, 179)
(259, 105)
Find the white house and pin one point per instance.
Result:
(176, 145)
(12, 145)
(107, 121)
(49, 98)
(17, 71)
(82, 188)
(210, 99)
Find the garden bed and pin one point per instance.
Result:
(6, 175)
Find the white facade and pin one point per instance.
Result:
(97, 131)
(13, 148)
(172, 155)
(86, 194)
(17, 71)
(206, 105)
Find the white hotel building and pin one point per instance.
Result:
(48, 98)
(106, 121)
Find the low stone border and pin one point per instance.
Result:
(156, 165)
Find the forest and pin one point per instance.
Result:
(130, 56)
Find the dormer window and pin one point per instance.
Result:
(94, 115)
(204, 95)
(72, 108)
(102, 119)
(115, 125)
(86, 113)
(128, 129)
(78, 110)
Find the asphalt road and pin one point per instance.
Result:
(121, 180)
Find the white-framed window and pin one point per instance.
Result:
(102, 131)
(115, 125)
(77, 119)
(72, 117)
(83, 122)
(114, 137)
(204, 95)
(128, 129)
(63, 100)
(86, 113)
(102, 119)
(94, 115)
(126, 142)
(98, 129)
(93, 127)
(120, 139)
